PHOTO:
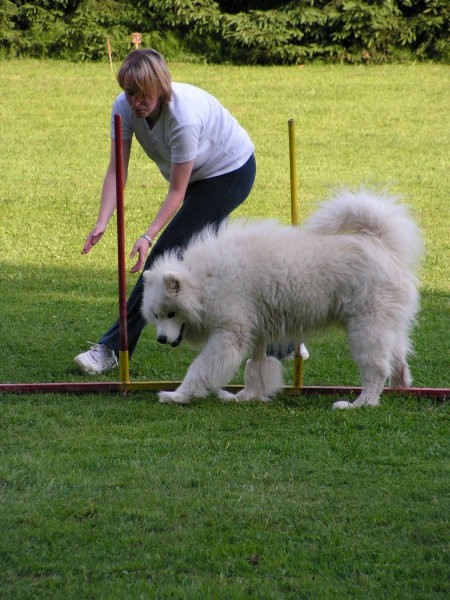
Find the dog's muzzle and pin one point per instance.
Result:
(179, 338)
(162, 339)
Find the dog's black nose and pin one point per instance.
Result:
(162, 339)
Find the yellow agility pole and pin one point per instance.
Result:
(293, 172)
(298, 358)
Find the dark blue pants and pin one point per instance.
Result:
(207, 202)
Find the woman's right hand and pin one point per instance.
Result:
(108, 200)
(93, 237)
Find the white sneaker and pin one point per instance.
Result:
(96, 360)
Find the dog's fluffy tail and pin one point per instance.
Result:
(368, 212)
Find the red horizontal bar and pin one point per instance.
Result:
(63, 387)
(88, 387)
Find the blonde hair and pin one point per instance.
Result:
(147, 71)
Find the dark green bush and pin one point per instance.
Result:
(241, 31)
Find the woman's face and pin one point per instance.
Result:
(142, 106)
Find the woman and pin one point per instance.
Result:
(200, 149)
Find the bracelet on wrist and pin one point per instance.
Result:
(148, 238)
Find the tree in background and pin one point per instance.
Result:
(238, 31)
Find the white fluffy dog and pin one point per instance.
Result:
(257, 283)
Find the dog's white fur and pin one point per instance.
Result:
(257, 283)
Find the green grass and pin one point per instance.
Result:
(130, 499)
(103, 496)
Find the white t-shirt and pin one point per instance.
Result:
(193, 126)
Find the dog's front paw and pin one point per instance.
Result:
(173, 398)
(242, 396)
(342, 404)
(226, 396)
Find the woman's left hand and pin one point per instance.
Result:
(141, 248)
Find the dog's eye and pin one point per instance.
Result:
(155, 315)
(170, 315)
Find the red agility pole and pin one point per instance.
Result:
(123, 329)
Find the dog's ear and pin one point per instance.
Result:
(172, 283)
(147, 276)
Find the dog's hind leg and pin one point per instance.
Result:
(373, 357)
(370, 394)
(263, 378)
(400, 374)
(213, 367)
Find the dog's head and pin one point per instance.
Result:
(161, 305)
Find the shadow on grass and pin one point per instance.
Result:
(48, 314)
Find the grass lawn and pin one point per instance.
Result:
(103, 496)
